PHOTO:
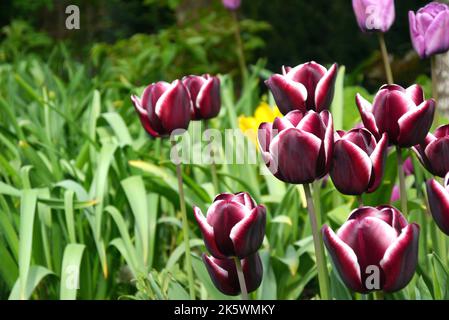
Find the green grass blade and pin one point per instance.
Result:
(71, 262)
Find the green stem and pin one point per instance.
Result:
(323, 277)
(402, 188)
(241, 277)
(185, 225)
(359, 200)
(240, 51)
(383, 49)
(378, 295)
(213, 166)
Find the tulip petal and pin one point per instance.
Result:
(324, 92)
(296, 154)
(379, 159)
(327, 148)
(226, 196)
(223, 274)
(245, 199)
(309, 74)
(442, 131)
(264, 136)
(174, 107)
(247, 235)
(352, 168)
(389, 105)
(208, 100)
(439, 204)
(437, 153)
(369, 238)
(253, 271)
(288, 94)
(416, 93)
(400, 259)
(143, 116)
(415, 124)
(312, 123)
(417, 38)
(208, 234)
(223, 216)
(365, 109)
(294, 117)
(344, 259)
(280, 124)
(437, 37)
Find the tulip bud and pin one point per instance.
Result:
(439, 202)
(309, 86)
(359, 161)
(298, 148)
(374, 15)
(232, 4)
(375, 249)
(223, 273)
(205, 95)
(234, 226)
(429, 29)
(402, 113)
(163, 108)
(433, 153)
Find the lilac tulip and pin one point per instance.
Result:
(309, 86)
(374, 15)
(234, 225)
(232, 4)
(429, 29)
(375, 249)
(402, 113)
(163, 108)
(298, 148)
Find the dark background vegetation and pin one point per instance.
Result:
(284, 32)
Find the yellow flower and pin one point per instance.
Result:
(263, 113)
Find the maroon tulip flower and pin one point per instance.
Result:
(205, 94)
(232, 4)
(375, 249)
(309, 86)
(439, 202)
(374, 15)
(298, 148)
(224, 273)
(402, 113)
(434, 152)
(428, 29)
(163, 108)
(359, 161)
(234, 226)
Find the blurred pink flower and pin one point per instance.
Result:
(232, 4)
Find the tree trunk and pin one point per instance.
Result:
(440, 70)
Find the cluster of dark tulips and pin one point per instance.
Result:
(303, 147)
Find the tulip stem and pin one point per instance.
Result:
(241, 276)
(433, 63)
(359, 200)
(240, 51)
(383, 49)
(403, 191)
(213, 166)
(323, 278)
(185, 224)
